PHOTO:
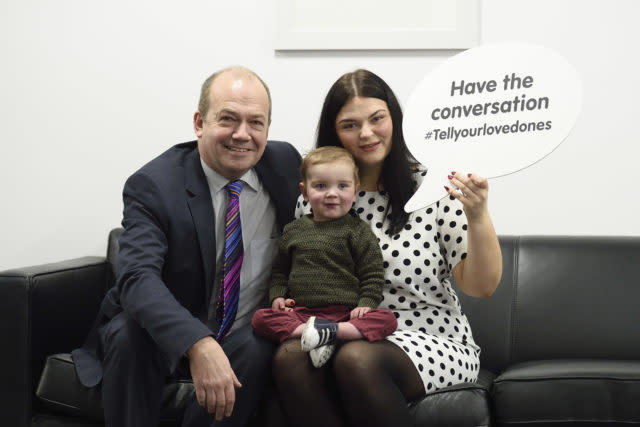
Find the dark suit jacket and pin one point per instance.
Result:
(167, 253)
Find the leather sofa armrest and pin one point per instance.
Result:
(44, 309)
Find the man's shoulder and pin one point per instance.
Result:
(280, 153)
(279, 146)
(173, 157)
(165, 171)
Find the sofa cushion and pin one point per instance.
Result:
(466, 404)
(568, 390)
(61, 391)
(575, 298)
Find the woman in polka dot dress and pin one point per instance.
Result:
(369, 384)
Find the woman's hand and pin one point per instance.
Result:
(289, 304)
(281, 304)
(278, 304)
(473, 193)
(479, 273)
(359, 312)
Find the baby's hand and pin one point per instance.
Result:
(359, 312)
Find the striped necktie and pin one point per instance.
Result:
(233, 255)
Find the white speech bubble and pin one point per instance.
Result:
(488, 125)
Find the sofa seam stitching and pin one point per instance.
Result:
(514, 314)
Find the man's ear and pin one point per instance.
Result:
(197, 123)
(266, 136)
(303, 191)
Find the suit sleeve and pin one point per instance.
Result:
(143, 294)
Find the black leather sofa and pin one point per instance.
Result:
(560, 341)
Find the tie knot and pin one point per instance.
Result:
(234, 188)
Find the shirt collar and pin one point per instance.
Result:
(217, 182)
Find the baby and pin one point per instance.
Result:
(329, 263)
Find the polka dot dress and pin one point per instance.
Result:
(432, 329)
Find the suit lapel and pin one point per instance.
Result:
(200, 206)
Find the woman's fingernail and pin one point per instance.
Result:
(469, 175)
(453, 172)
(446, 188)
(449, 176)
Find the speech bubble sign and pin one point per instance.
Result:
(492, 110)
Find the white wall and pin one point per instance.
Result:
(91, 90)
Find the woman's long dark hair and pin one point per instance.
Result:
(396, 168)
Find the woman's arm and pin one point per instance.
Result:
(479, 273)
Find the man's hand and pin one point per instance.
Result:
(213, 378)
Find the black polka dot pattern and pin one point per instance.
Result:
(432, 329)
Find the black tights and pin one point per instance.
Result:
(365, 384)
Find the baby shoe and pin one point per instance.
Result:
(320, 355)
(318, 332)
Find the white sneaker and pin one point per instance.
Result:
(321, 355)
(318, 332)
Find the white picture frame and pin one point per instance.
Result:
(376, 24)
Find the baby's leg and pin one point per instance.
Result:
(278, 325)
(375, 325)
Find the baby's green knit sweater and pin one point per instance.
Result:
(329, 262)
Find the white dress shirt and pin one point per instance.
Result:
(259, 239)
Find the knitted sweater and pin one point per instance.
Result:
(328, 262)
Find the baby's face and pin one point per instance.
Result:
(330, 189)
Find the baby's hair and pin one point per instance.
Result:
(328, 154)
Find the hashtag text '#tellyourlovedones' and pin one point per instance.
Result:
(451, 132)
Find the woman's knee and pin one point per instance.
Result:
(288, 352)
(289, 359)
(355, 359)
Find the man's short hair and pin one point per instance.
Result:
(328, 154)
(203, 103)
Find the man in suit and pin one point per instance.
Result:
(164, 313)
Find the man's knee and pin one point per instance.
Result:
(125, 341)
(248, 352)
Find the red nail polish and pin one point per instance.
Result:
(469, 175)
(446, 188)
(453, 172)
(449, 176)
